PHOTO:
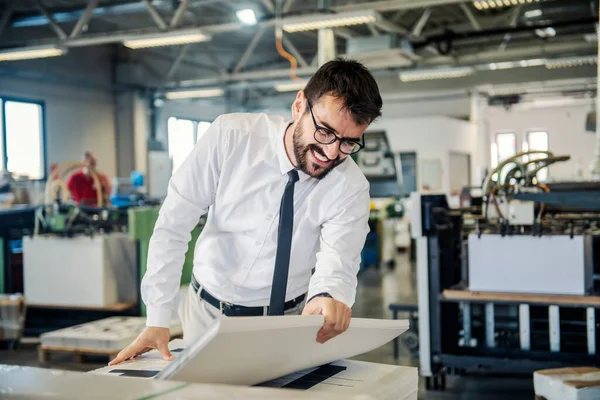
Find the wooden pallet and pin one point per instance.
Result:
(78, 355)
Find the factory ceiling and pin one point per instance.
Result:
(416, 35)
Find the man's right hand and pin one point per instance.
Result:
(151, 338)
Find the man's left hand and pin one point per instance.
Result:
(337, 316)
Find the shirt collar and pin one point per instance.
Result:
(285, 165)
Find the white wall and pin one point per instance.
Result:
(432, 138)
(566, 133)
(78, 117)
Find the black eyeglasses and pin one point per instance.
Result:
(327, 136)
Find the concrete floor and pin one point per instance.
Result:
(377, 289)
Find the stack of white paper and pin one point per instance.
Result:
(17, 383)
(581, 383)
(112, 333)
(348, 377)
(282, 352)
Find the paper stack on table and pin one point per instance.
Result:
(349, 377)
(578, 383)
(18, 383)
(112, 333)
(282, 352)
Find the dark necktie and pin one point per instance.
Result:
(284, 247)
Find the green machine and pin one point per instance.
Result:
(141, 225)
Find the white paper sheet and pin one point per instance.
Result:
(252, 350)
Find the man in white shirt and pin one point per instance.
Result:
(283, 199)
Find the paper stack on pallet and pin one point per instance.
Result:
(112, 333)
(580, 383)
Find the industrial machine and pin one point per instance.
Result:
(77, 264)
(510, 282)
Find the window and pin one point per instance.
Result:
(22, 139)
(182, 135)
(504, 147)
(538, 140)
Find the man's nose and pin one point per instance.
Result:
(332, 150)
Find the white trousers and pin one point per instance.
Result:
(197, 315)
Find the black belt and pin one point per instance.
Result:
(233, 310)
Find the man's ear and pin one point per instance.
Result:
(298, 105)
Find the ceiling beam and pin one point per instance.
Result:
(418, 28)
(6, 16)
(373, 30)
(55, 27)
(84, 19)
(294, 51)
(183, 6)
(387, 26)
(392, 5)
(269, 6)
(158, 19)
(287, 6)
(249, 50)
(524, 52)
(467, 11)
(177, 62)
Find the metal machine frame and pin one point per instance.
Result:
(450, 317)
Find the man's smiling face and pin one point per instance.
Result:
(314, 158)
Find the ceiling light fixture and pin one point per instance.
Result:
(487, 4)
(319, 21)
(438, 73)
(165, 39)
(533, 13)
(28, 53)
(291, 86)
(246, 17)
(194, 94)
(571, 62)
(546, 32)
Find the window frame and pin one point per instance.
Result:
(44, 151)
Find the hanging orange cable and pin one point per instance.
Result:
(287, 56)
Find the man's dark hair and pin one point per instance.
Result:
(350, 81)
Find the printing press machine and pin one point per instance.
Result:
(510, 282)
(77, 264)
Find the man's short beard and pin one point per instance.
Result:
(301, 154)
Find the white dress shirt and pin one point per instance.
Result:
(237, 172)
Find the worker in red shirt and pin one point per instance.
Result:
(81, 183)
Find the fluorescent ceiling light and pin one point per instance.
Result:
(546, 32)
(165, 39)
(290, 87)
(318, 21)
(438, 73)
(28, 53)
(246, 17)
(571, 62)
(533, 13)
(487, 4)
(194, 94)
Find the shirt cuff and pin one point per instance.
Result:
(336, 295)
(159, 317)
